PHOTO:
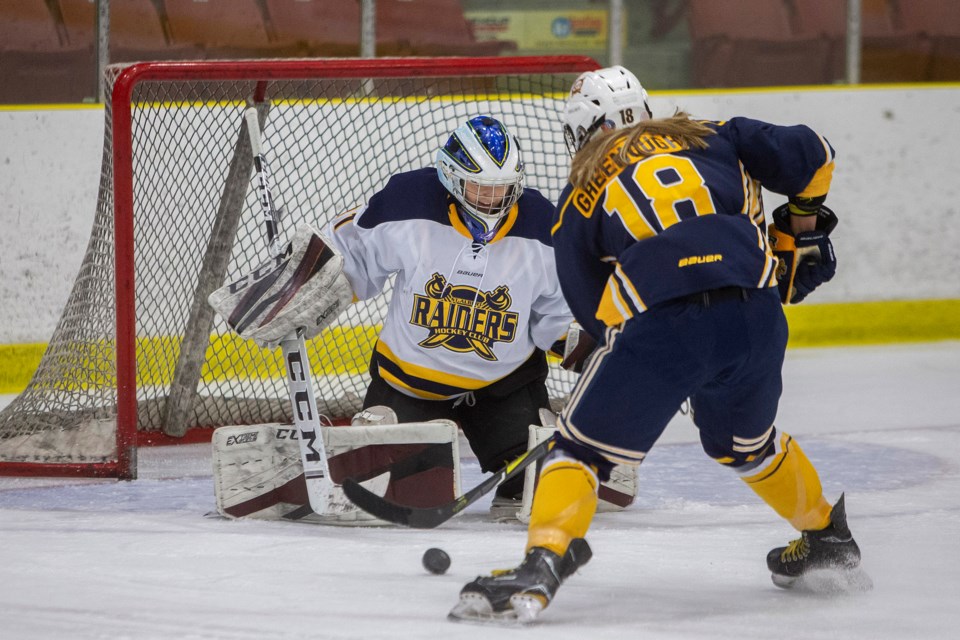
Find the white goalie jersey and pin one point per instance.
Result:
(462, 314)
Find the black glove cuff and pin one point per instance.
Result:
(802, 206)
(826, 219)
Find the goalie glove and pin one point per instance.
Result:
(577, 349)
(804, 261)
(574, 348)
(304, 289)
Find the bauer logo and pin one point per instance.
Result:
(690, 261)
(464, 319)
(243, 438)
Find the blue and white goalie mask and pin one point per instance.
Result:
(480, 165)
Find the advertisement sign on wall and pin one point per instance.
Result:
(543, 30)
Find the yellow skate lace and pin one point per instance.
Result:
(796, 550)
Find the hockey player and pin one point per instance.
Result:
(664, 261)
(476, 302)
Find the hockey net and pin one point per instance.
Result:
(138, 356)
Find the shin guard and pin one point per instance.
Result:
(789, 483)
(564, 504)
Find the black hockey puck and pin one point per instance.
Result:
(436, 561)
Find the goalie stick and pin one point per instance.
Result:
(306, 418)
(430, 517)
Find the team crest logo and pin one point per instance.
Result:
(462, 318)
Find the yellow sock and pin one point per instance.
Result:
(789, 483)
(564, 504)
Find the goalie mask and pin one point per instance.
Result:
(602, 100)
(480, 166)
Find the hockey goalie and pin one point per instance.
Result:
(257, 469)
(258, 472)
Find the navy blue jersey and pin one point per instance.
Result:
(673, 221)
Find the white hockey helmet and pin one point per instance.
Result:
(601, 100)
(481, 151)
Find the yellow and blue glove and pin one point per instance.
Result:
(805, 260)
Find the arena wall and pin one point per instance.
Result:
(895, 190)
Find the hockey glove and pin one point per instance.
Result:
(577, 349)
(804, 261)
(303, 290)
(812, 272)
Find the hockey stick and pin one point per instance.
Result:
(306, 418)
(430, 517)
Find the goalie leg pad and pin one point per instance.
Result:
(258, 473)
(615, 494)
(302, 290)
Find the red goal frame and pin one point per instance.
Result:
(263, 71)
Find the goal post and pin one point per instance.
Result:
(136, 357)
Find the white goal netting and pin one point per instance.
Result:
(137, 351)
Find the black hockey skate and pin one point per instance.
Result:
(517, 596)
(820, 560)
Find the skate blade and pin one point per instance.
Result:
(526, 607)
(510, 517)
(505, 513)
(475, 608)
(826, 581)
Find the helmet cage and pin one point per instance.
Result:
(484, 153)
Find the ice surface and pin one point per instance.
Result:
(101, 559)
